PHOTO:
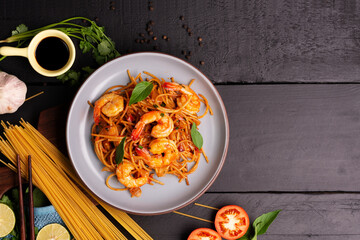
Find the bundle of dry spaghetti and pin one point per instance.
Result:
(54, 175)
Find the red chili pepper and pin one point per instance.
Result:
(181, 148)
(130, 118)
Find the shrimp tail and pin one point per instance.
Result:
(171, 86)
(139, 127)
(143, 152)
(177, 87)
(96, 115)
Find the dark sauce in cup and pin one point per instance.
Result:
(52, 53)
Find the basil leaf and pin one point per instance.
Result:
(196, 136)
(40, 199)
(262, 223)
(119, 154)
(140, 92)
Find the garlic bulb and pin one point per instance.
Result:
(12, 93)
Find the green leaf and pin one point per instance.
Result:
(196, 136)
(40, 200)
(19, 29)
(262, 223)
(69, 75)
(140, 92)
(104, 48)
(255, 236)
(15, 196)
(88, 69)
(119, 154)
(85, 46)
(247, 236)
(6, 200)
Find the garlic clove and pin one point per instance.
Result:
(12, 93)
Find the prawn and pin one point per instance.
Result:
(188, 96)
(109, 131)
(164, 127)
(164, 150)
(109, 104)
(123, 174)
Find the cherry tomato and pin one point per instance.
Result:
(204, 233)
(232, 222)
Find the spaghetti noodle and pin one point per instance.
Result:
(54, 175)
(157, 132)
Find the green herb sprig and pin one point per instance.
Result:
(92, 39)
(260, 225)
(196, 136)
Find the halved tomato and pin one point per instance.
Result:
(204, 234)
(231, 222)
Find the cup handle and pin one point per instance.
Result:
(13, 51)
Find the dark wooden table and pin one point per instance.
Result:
(288, 72)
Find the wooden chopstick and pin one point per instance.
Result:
(22, 214)
(31, 202)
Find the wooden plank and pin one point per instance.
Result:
(303, 216)
(291, 138)
(283, 137)
(246, 41)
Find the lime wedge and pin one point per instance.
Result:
(53, 231)
(7, 220)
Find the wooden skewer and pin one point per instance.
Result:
(22, 214)
(31, 202)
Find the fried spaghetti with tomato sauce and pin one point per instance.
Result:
(157, 131)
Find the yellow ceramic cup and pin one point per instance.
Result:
(29, 52)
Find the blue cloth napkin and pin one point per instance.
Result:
(44, 216)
